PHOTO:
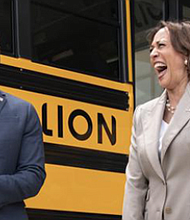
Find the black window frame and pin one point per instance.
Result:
(172, 10)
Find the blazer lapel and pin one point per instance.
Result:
(152, 119)
(2, 100)
(179, 120)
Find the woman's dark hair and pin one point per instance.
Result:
(179, 36)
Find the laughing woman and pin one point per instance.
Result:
(158, 172)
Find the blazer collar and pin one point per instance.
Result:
(179, 120)
(2, 99)
(152, 118)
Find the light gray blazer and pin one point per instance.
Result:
(154, 188)
(21, 156)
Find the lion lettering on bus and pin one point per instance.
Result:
(102, 124)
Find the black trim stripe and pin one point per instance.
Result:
(41, 214)
(124, 73)
(85, 158)
(60, 87)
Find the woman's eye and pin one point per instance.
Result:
(161, 45)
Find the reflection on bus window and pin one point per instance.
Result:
(186, 9)
(80, 35)
(147, 15)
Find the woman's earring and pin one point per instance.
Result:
(185, 62)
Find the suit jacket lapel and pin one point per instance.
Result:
(2, 100)
(179, 120)
(152, 119)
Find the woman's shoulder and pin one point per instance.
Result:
(149, 105)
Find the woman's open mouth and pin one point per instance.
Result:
(160, 69)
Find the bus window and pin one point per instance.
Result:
(186, 9)
(147, 15)
(6, 42)
(79, 35)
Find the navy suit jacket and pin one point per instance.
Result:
(22, 170)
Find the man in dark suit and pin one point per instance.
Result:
(22, 170)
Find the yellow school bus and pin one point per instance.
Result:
(72, 59)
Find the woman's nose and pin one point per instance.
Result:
(154, 53)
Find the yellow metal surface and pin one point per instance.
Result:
(80, 190)
(44, 69)
(123, 121)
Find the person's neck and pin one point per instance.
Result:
(174, 95)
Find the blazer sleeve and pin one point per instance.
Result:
(136, 184)
(30, 173)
